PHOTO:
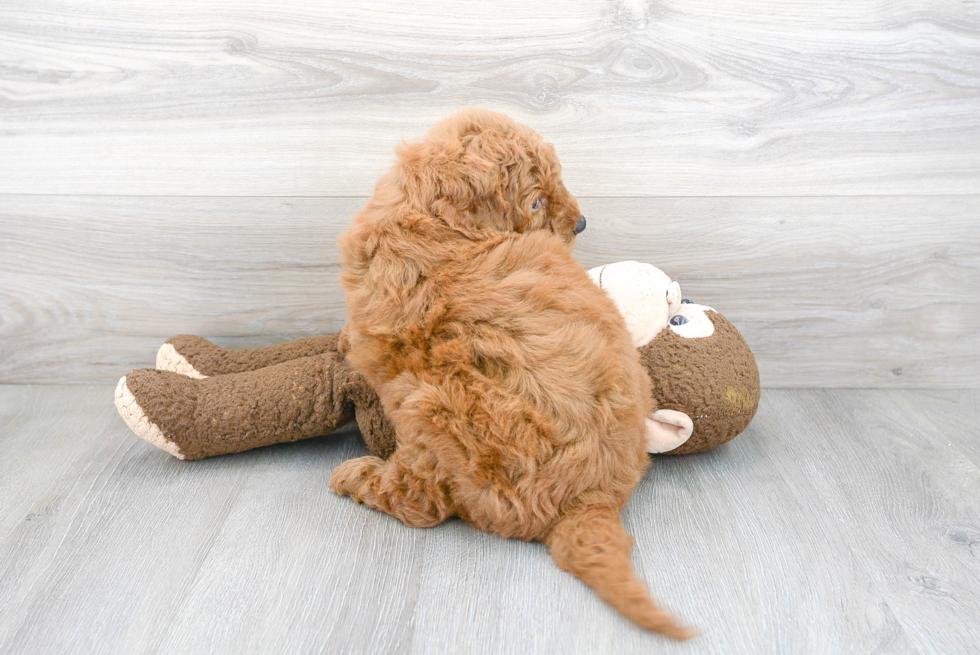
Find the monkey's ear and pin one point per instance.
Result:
(668, 429)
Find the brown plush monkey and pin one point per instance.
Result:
(703, 375)
(204, 400)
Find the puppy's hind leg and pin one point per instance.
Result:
(407, 486)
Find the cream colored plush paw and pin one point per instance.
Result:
(168, 359)
(138, 422)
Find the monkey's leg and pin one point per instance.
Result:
(197, 418)
(196, 357)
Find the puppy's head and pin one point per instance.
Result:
(483, 173)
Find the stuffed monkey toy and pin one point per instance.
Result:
(204, 400)
(703, 375)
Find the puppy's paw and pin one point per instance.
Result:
(351, 477)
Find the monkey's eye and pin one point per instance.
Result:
(687, 301)
(677, 320)
(538, 204)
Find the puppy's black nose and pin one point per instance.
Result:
(580, 227)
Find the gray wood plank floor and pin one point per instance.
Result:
(841, 521)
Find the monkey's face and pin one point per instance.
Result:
(704, 378)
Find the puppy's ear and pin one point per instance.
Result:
(459, 180)
(420, 183)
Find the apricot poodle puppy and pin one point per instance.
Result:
(517, 395)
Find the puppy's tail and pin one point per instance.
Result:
(591, 543)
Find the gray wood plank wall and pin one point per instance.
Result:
(812, 171)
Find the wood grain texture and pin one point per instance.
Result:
(89, 285)
(668, 98)
(840, 521)
(829, 292)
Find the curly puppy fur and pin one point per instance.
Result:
(518, 398)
